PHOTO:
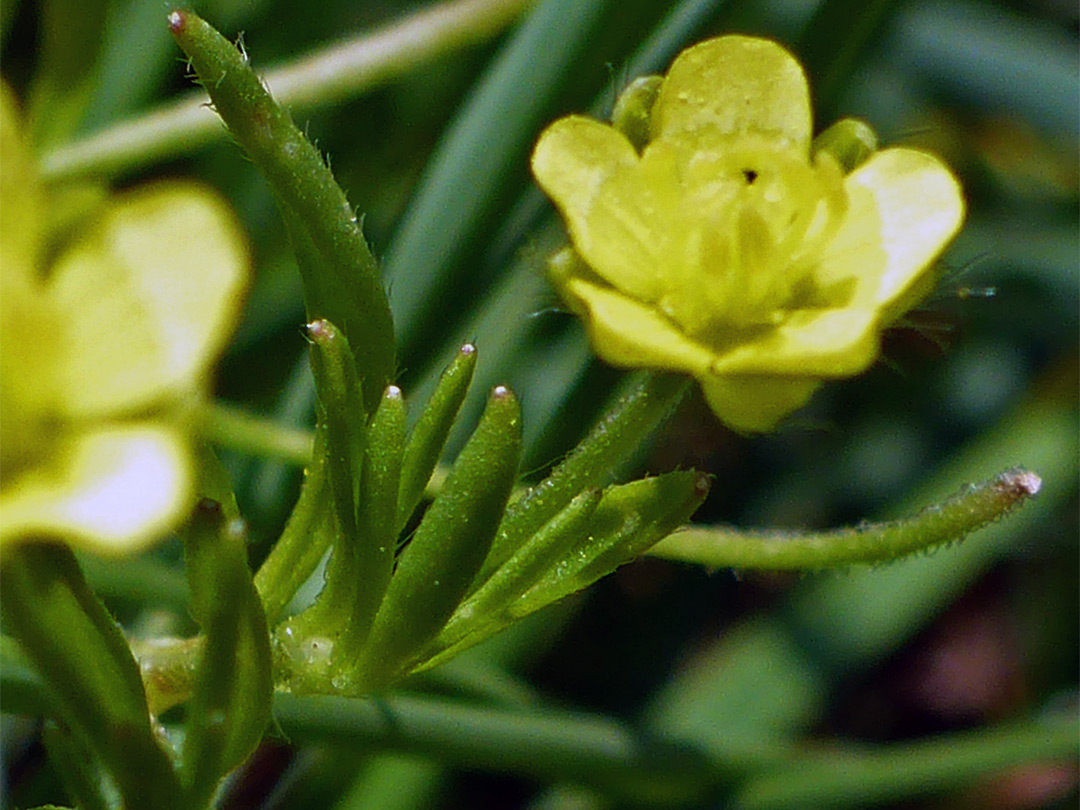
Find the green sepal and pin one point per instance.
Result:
(629, 519)
(613, 442)
(451, 542)
(230, 705)
(633, 109)
(428, 435)
(92, 678)
(341, 410)
(849, 140)
(341, 276)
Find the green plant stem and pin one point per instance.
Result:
(592, 749)
(970, 509)
(769, 677)
(870, 777)
(588, 748)
(232, 427)
(607, 754)
(333, 74)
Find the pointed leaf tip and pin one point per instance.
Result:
(177, 21)
(1021, 482)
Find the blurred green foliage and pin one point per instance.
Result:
(982, 377)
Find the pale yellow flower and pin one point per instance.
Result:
(726, 249)
(106, 340)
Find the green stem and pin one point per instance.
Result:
(970, 509)
(607, 754)
(543, 743)
(546, 744)
(861, 777)
(340, 72)
(228, 426)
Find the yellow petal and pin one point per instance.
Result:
(627, 333)
(28, 353)
(755, 404)
(733, 85)
(587, 168)
(148, 299)
(112, 490)
(903, 208)
(811, 342)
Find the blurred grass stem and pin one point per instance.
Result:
(334, 74)
(232, 427)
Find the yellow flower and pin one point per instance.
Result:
(107, 335)
(726, 248)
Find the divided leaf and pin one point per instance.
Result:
(428, 436)
(451, 542)
(585, 542)
(230, 705)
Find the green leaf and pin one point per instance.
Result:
(308, 533)
(230, 707)
(341, 277)
(973, 507)
(613, 441)
(630, 519)
(360, 566)
(376, 522)
(92, 678)
(594, 542)
(489, 139)
(331, 74)
(449, 545)
(768, 679)
(858, 776)
(428, 436)
(625, 767)
(554, 542)
(79, 770)
(341, 412)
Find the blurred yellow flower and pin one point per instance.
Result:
(727, 247)
(107, 335)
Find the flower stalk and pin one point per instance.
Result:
(950, 521)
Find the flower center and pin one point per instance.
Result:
(757, 216)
